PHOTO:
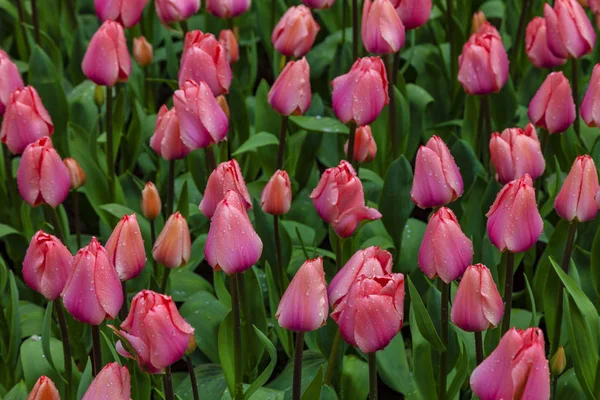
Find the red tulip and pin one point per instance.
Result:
(112, 382)
(44, 389)
(126, 12)
(590, 107)
(536, 45)
(10, 80)
(227, 8)
(552, 107)
(227, 176)
(173, 246)
(318, 4)
(577, 197)
(76, 173)
(413, 13)
(106, 60)
(125, 248)
(382, 30)
(570, 32)
(151, 203)
(142, 51)
(229, 42)
(295, 32)
(276, 197)
(176, 10)
(291, 93)
(166, 141)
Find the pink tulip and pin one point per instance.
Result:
(318, 4)
(577, 197)
(173, 245)
(303, 306)
(227, 176)
(229, 42)
(595, 9)
(365, 147)
(201, 120)
(291, 93)
(295, 32)
(483, 64)
(112, 382)
(42, 177)
(517, 152)
(413, 13)
(106, 60)
(477, 305)
(372, 312)
(514, 222)
(204, 59)
(166, 141)
(570, 32)
(382, 30)
(445, 250)
(156, 332)
(552, 107)
(44, 389)
(46, 265)
(340, 200)
(170, 11)
(10, 80)
(590, 107)
(151, 203)
(93, 291)
(536, 45)
(76, 173)
(125, 12)
(359, 95)
(25, 121)
(276, 197)
(437, 177)
(230, 225)
(125, 248)
(371, 262)
(227, 8)
(516, 369)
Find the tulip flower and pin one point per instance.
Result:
(590, 107)
(291, 93)
(303, 306)
(413, 13)
(173, 245)
(227, 176)
(204, 59)
(514, 222)
(359, 95)
(201, 120)
(44, 389)
(365, 147)
(229, 42)
(125, 248)
(125, 12)
(112, 382)
(227, 8)
(371, 262)
(372, 312)
(76, 173)
(166, 141)
(232, 244)
(155, 331)
(295, 32)
(170, 11)
(577, 197)
(382, 30)
(445, 250)
(106, 60)
(142, 51)
(93, 291)
(276, 197)
(42, 177)
(46, 265)
(569, 31)
(516, 369)
(318, 4)
(340, 200)
(477, 305)
(536, 45)
(483, 64)
(552, 107)
(10, 80)
(437, 177)
(25, 120)
(516, 152)
(595, 8)
(151, 203)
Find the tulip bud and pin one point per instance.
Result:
(204, 59)
(577, 197)
(230, 224)
(44, 389)
(413, 13)
(201, 120)
(318, 4)
(222, 102)
(173, 246)
(106, 60)
(166, 141)
(142, 51)
(25, 120)
(169, 11)
(445, 250)
(303, 306)
(151, 203)
(536, 45)
(229, 42)
(75, 172)
(125, 248)
(359, 95)
(552, 107)
(372, 312)
(514, 222)
(558, 362)
(295, 32)
(42, 177)
(191, 346)
(478, 21)
(382, 30)
(569, 31)
(340, 200)
(125, 12)
(99, 96)
(590, 107)
(112, 382)
(365, 147)
(10, 80)
(227, 8)
(276, 197)
(227, 176)
(93, 291)
(291, 93)
(517, 152)
(595, 8)
(483, 64)
(521, 359)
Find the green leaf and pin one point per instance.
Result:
(211, 383)
(183, 205)
(531, 300)
(319, 124)
(313, 391)
(46, 335)
(461, 372)
(256, 141)
(355, 379)
(595, 262)
(226, 348)
(424, 322)
(14, 319)
(6, 230)
(111, 347)
(18, 392)
(185, 284)
(266, 374)
(393, 368)
(285, 336)
(422, 356)
(86, 379)
(35, 364)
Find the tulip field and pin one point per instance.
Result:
(299, 200)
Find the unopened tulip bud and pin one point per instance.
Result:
(44, 389)
(536, 45)
(478, 21)
(151, 203)
(227, 8)
(291, 92)
(229, 42)
(570, 32)
(365, 147)
(106, 60)
(552, 107)
(382, 30)
(99, 96)
(125, 248)
(222, 102)
(75, 172)
(173, 246)
(10, 80)
(227, 176)
(125, 12)
(558, 362)
(413, 13)
(170, 11)
(276, 197)
(590, 107)
(142, 51)
(595, 9)
(577, 197)
(295, 32)
(166, 140)
(112, 382)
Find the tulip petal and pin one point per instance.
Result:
(376, 324)
(553, 36)
(525, 224)
(82, 303)
(100, 62)
(346, 224)
(168, 344)
(55, 181)
(106, 281)
(28, 176)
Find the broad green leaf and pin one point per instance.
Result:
(319, 124)
(393, 367)
(461, 371)
(14, 320)
(312, 361)
(266, 374)
(595, 262)
(422, 318)
(422, 353)
(211, 383)
(86, 379)
(46, 336)
(255, 141)
(184, 284)
(226, 355)
(313, 391)
(285, 336)
(355, 379)
(6, 230)
(18, 392)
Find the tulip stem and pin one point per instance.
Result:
(450, 31)
(36, 21)
(184, 27)
(332, 357)
(445, 289)
(165, 280)
(389, 66)
(124, 308)
(110, 157)
(297, 383)
(57, 226)
(575, 82)
(72, 12)
(508, 290)
(354, 30)
(282, 137)
(372, 376)
(168, 384)
(351, 141)
(22, 21)
(76, 217)
(478, 347)
(66, 345)
(190, 367)
(10, 184)
(96, 350)
(171, 187)
(237, 338)
(344, 21)
(516, 48)
(278, 253)
(154, 263)
(211, 164)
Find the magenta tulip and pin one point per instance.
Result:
(291, 93)
(413, 13)
(106, 60)
(173, 246)
(569, 31)
(112, 382)
(536, 45)
(166, 141)
(382, 30)
(227, 8)
(590, 107)
(577, 197)
(126, 12)
(276, 197)
(125, 248)
(552, 107)
(10, 80)
(227, 176)
(170, 11)
(295, 32)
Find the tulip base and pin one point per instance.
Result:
(372, 357)
(478, 347)
(66, 345)
(297, 382)
(508, 291)
(96, 350)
